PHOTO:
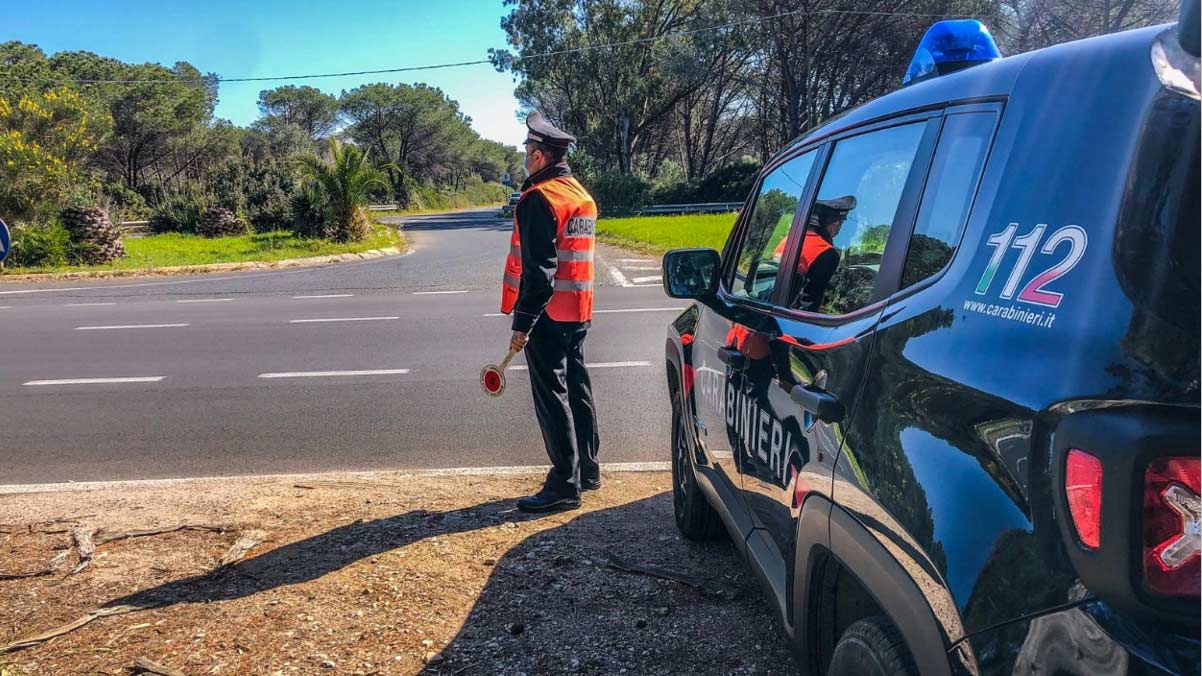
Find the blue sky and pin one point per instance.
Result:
(277, 37)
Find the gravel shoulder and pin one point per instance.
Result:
(388, 574)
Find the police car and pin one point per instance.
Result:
(968, 441)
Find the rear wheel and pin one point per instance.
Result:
(872, 647)
(695, 518)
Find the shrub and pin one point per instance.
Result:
(731, 183)
(617, 193)
(267, 188)
(39, 245)
(684, 192)
(127, 204)
(177, 213)
(45, 140)
(310, 212)
(257, 191)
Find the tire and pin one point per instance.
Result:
(695, 517)
(872, 647)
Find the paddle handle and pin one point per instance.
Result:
(508, 358)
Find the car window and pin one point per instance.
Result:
(850, 221)
(955, 172)
(767, 226)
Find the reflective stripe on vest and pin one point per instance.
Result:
(575, 238)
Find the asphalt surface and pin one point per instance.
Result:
(196, 350)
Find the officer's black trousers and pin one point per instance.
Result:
(563, 402)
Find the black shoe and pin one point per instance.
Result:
(547, 502)
(590, 485)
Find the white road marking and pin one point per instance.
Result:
(436, 293)
(328, 295)
(599, 365)
(642, 267)
(634, 260)
(96, 381)
(86, 304)
(619, 278)
(129, 326)
(644, 280)
(203, 279)
(331, 374)
(326, 476)
(65, 288)
(204, 300)
(645, 285)
(339, 319)
(5, 307)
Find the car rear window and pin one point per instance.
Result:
(951, 184)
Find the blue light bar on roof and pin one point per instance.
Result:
(949, 46)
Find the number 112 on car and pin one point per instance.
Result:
(1035, 291)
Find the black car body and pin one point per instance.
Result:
(1019, 280)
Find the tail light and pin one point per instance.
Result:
(1172, 532)
(1083, 488)
(1127, 507)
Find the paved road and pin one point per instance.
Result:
(198, 349)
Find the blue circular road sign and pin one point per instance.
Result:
(5, 240)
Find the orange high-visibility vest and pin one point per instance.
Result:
(575, 237)
(813, 246)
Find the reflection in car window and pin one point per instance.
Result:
(955, 170)
(767, 226)
(849, 225)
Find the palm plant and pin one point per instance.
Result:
(346, 181)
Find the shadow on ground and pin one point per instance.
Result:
(551, 604)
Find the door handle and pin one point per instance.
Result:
(732, 358)
(824, 405)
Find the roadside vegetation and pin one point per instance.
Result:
(676, 112)
(78, 157)
(176, 249)
(657, 234)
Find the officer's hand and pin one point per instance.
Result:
(518, 342)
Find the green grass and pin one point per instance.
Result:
(657, 234)
(174, 249)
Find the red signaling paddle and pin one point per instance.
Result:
(492, 377)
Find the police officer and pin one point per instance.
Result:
(819, 258)
(548, 287)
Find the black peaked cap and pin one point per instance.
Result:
(544, 132)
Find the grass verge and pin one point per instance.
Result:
(657, 234)
(157, 251)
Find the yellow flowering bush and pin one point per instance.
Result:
(44, 140)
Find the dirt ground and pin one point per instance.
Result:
(392, 574)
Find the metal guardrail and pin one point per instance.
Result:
(134, 228)
(703, 208)
(383, 207)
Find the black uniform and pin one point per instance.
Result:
(563, 397)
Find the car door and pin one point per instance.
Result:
(929, 467)
(721, 348)
(818, 340)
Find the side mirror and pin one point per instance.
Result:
(691, 273)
